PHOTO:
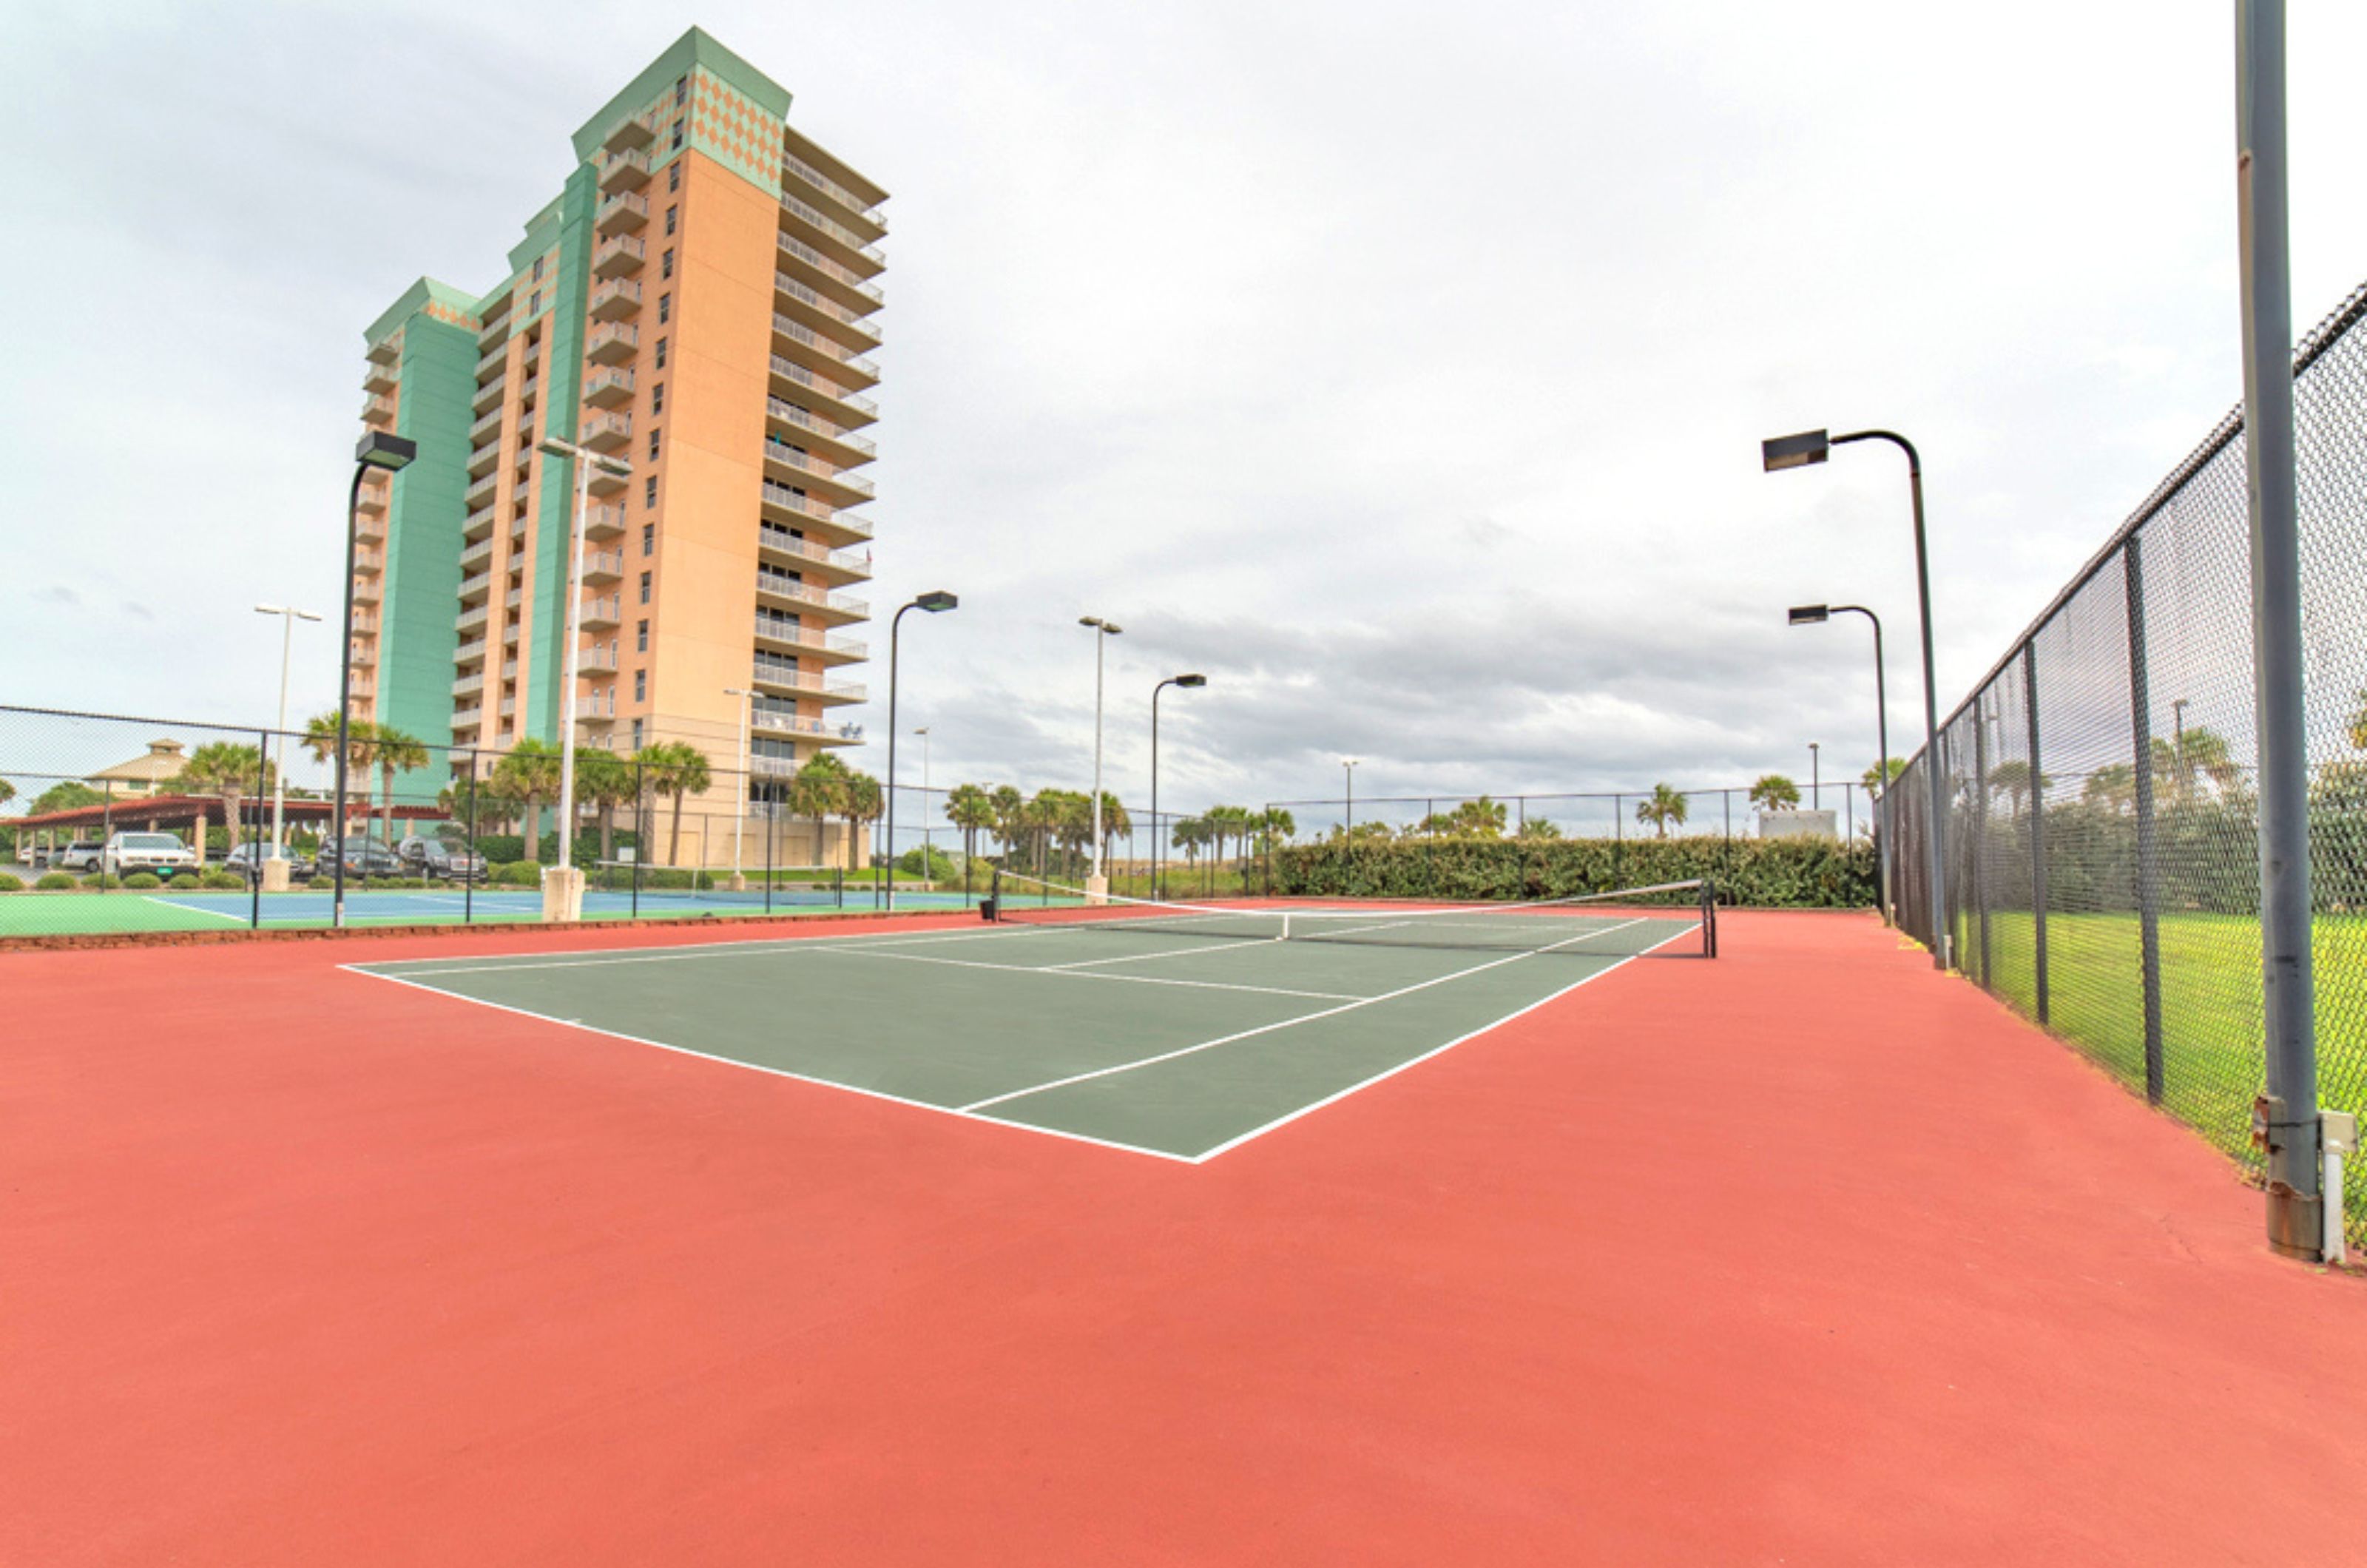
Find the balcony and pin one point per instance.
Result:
(379, 410)
(603, 565)
(597, 660)
(371, 503)
(831, 647)
(603, 482)
(608, 387)
(812, 473)
(622, 213)
(366, 624)
(808, 347)
(370, 530)
(387, 350)
(814, 425)
(489, 424)
(846, 286)
(476, 583)
(369, 563)
(467, 685)
(616, 257)
(362, 654)
(772, 540)
(470, 652)
(772, 585)
(870, 219)
(491, 361)
(467, 718)
(813, 512)
(597, 707)
(476, 554)
(630, 134)
(624, 169)
(379, 378)
(495, 334)
(482, 492)
(616, 299)
(824, 395)
(485, 459)
(598, 614)
(809, 305)
(607, 432)
(489, 396)
(514, 598)
(510, 637)
(613, 342)
(782, 675)
(602, 522)
(508, 706)
(833, 239)
(479, 524)
(470, 619)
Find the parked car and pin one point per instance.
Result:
(80, 855)
(163, 854)
(434, 857)
(362, 857)
(242, 860)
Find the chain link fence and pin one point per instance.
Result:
(2100, 840)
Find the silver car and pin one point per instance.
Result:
(163, 854)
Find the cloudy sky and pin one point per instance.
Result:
(1404, 370)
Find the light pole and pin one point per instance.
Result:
(1097, 884)
(927, 865)
(1814, 447)
(936, 602)
(1816, 779)
(1158, 839)
(288, 616)
(379, 449)
(1348, 766)
(1816, 614)
(747, 700)
(569, 886)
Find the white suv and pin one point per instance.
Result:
(161, 853)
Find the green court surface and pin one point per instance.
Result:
(1169, 1043)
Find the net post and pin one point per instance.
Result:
(995, 892)
(2148, 892)
(1709, 916)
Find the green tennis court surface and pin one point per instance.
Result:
(1164, 1038)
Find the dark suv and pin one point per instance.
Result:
(445, 862)
(242, 860)
(362, 857)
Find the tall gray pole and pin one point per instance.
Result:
(2290, 1108)
(1881, 744)
(1099, 638)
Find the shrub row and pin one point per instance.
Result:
(1801, 873)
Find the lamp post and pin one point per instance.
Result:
(1818, 614)
(1097, 884)
(1814, 447)
(747, 700)
(936, 601)
(928, 865)
(1816, 779)
(1158, 840)
(379, 449)
(1348, 767)
(288, 616)
(568, 883)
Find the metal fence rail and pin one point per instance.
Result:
(2102, 835)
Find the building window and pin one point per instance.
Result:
(534, 303)
(673, 176)
(665, 308)
(677, 136)
(654, 445)
(538, 269)
(657, 399)
(650, 491)
(682, 89)
(666, 265)
(649, 539)
(661, 364)
(670, 213)
(641, 685)
(637, 735)
(641, 637)
(645, 588)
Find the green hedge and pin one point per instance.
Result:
(56, 882)
(518, 873)
(1801, 873)
(225, 880)
(11, 884)
(144, 879)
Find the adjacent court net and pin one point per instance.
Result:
(781, 888)
(1667, 918)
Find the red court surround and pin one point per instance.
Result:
(1809, 1255)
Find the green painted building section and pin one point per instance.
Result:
(694, 50)
(417, 638)
(563, 405)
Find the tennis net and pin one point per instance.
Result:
(1669, 917)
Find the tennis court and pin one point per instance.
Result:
(1169, 1029)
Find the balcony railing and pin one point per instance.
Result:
(784, 674)
(470, 653)
(782, 585)
(779, 451)
(616, 299)
(788, 411)
(602, 522)
(599, 613)
(597, 660)
(607, 432)
(482, 492)
(624, 211)
(368, 563)
(603, 565)
(797, 331)
(831, 227)
(608, 387)
(470, 619)
(492, 358)
(829, 269)
(475, 582)
(832, 188)
(468, 717)
(772, 537)
(828, 307)
(490, 425)
(625, 170)
(790, 370)
(808, 637)
(480, 518)
(365, 622)
(477, 554)
(616, 257)
(376, 407)
(468, 685)
(612, 341)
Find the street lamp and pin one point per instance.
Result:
(936, 601)
(1158, 839)
(1816, 615)
(1814, 447)
(288, 616)
(1348, 766)
(379, 449)
(570, 881)
(747, 700)
(1097, 884)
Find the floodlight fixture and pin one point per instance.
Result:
(1796, 451)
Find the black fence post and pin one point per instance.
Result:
(644, 817)
(768, 857)
(469, 883)
(2149, 888)
(1980, 835)
(2037, 830)
(254, 840)
(106, 830)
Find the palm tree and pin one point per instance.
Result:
(396, 751)
(1480, 819)
(1538, 828)
(678, 768)
(1190, 835)
(818, 790)
(971, 809)
(863, 803)
(2010, 778)
(528, 773)
(221, 769)
(1010, 827)
(1665, 805)
(1115, 822)
(1228, 824)
(1275, 826)
(2113, 788)
(605, 781)
(321, 740)
(1774, 793)
(1877, 778)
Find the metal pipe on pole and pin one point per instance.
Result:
(2286, 1118)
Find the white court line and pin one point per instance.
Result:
(192, 908)
(1222, 944)
(741, 948)
(1362, 1083)
(1292, 1022)
(770, 1072)
(1067, 974)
